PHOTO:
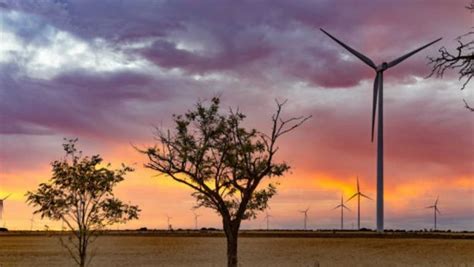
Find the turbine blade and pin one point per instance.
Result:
(362, 195)
(346, 208)
(6, 197)
(436, 202)
(338, 206)
(353, 196)
(429, 207)
(365, 59)
(374, 103)
(402, 58)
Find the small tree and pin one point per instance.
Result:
(461, 60)
(223, 163)
(80, 193)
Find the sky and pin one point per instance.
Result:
(108, 72)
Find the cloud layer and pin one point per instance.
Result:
(108, 71)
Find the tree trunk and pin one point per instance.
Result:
(232, 251)
(83, 249)
(232, 233)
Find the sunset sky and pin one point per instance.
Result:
(108, 72)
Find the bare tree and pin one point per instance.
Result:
(460, 60)
(223, 162)
(80, 194)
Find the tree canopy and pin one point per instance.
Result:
(80, 193)
(223, 162)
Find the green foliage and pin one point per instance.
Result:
(79, 188)
(80, 193)
(221, 160)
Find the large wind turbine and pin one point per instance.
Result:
(358, 194)
(342, 207)
(435, 211)
(1, 205)
(305, 216)
(377, 103)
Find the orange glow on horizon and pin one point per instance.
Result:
(160, 195)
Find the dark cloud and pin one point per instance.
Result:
(167, 55)
(105, 88)
(261, 35)
(78, 102)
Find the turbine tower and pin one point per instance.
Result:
(196, 216)
(435, 211)
(32, 221)
(1, 205)
(168, 219)
(267, 218)
(342, 207)
(377, 103)
(305, 216)
(358, 194)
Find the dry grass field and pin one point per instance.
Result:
(149, 250)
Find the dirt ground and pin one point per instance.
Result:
(253, 251)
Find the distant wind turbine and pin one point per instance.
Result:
(168, 219)
(267, 218)
(358, 194)
(342, 207)
(32, 221)
(378, 99)
(1, 205)
(305, 216)
(435, 211)
(196, 216)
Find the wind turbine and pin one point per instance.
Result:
(305, 216)
(377, 103)
(358, 194)
(32, 220)
(195, 220)
(168, 218)
(267, 218)
(342, 207)
(435, 211)
(1, 205)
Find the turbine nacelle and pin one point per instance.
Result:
(382, 67)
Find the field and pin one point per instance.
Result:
(254, 250)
